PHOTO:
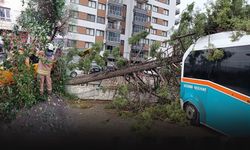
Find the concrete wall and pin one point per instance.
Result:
(90, 92)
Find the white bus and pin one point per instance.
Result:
(217, 93)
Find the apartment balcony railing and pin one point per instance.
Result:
(113, 41)
(116, 2)
(114, 14)
(142, 1)
(178, 2)
(140, 21)
(140, 10)
(113, 27)
(137, 57)
(138, 47)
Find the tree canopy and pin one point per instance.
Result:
(221, 15)
(43, 19)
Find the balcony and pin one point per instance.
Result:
(115, 15)
(178, 2)
(137, 22)
(142, 1)
(113, 27)
(137, 57)
(139, 10)
(116, 2)
(138, 47)
(177, 12)
(113, 41)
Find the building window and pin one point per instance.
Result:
(138, 28)
(166, 12)
(92, 4)
(74, 14)
(168, 2)
(155, 8)
(148, 7)
(154, 20)
(91, 17)
(113, 36)
(164, 33)
(149, 19)
(144, 41)
(99, 33)
(140, 17)
(165, 22)
(88, 44)
(153, 31)
(100, 20)
(72, 28)
(115, 10)
(90, 31)
(71, 43)
(101, 6)
(5, 14)
(141, 6)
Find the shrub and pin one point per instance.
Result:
(59, 76)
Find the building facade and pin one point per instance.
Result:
(9, 12)
(113, 22)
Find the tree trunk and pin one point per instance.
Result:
(122, 72)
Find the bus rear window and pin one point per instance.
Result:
(232, 71)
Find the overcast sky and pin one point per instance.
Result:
(198, 3)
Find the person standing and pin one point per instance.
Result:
(45, 64)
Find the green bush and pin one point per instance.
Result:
(120, 103)
(23, 93)
(59, 76)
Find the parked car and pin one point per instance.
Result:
(75, 72)
(95, 68)
(111, 63)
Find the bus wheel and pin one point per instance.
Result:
(192, 114)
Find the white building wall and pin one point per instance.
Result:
(15, 7)
(170, 18)
(129, 27)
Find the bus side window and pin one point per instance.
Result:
(195, 65)
(233, 71)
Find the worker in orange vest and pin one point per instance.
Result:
(45, 63)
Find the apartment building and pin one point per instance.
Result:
(113, 22)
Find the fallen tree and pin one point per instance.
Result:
(124, 71)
